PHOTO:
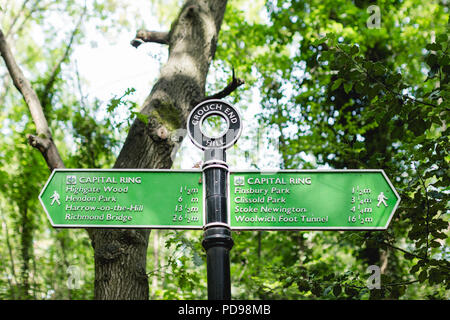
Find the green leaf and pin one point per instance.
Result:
(319, 41)
(393, 78)
(359, 87)
(435, 276)
(379, 69)
(316, 289)
(336, 84)
(442, 38)
(435, 244)
(444, 60)
(354, 50)
(436, 194)
(431, 60)
(423, 276)
(325, 56)
(337, 290)
(348, 86)
(327, 290)
(415, 268)
(433, 46)
(303, 285)
(417, 126)
(351, 291)
(439, 235)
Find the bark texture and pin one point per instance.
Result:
(150, 36)
(120, 255)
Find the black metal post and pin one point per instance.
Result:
(217, 239)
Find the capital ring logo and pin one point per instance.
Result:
(71, 180)
(239, 180)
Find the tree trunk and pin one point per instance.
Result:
(120, 255)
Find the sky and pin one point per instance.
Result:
(110, 65)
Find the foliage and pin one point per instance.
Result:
(183, 274)
(338, 92)
(37, 259)
(344, 95)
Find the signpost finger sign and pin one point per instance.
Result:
(311, 200)
(84, 198)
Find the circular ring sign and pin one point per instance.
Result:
(210, 108)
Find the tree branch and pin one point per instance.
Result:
(83, 104)
(17, 16)
(32, 10)
(45, 141)
(150, 36)
(57, 68)
(402, 250)
(395, 93)
(232, 86)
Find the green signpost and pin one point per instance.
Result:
(218, 201)
(81, 198)
(311, 200)
(171, 199)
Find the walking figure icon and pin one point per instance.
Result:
(55, 198)
(382, 200)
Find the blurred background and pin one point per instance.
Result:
(336, 84)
